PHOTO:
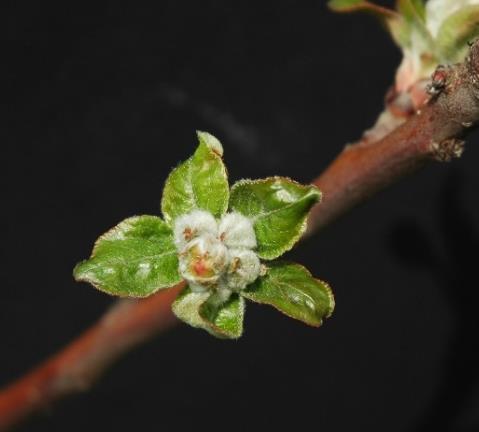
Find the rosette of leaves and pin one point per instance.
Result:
(220, 241)
(429, 33)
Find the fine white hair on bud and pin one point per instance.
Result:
(223, 292)
(192, 225)
(198, 288)
(236, 231)
(244, 268)
(203, 260)
(216, 257)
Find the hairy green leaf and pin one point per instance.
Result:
(278, 208)
(187, 307)
(226, 318)
(291, 289)
(455, 31)
(199, 183)
(134, 259)
(204, 310)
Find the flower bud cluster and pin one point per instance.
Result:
(216, 255)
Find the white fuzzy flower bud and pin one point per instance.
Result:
(192, 225)
(216, 257)
(244, 268)
(203, 260)
(236, 231)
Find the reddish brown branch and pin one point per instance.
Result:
(358, 172)
(127, 324)
(435, 132)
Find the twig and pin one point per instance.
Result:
(435, 132)
(74, 369)
(358, 172)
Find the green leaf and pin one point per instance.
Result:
(291, 289)
(226, 318)
(412, 9)
(361, 6)
(134, 259)
(410, 29)
(204, 310)
(420, 8)
(199, 183)
(401, 24)
(405, 7)
(187, 307)
(341, 5)
(278, 208)
(454, 33)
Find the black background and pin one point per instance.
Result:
(103, 101)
